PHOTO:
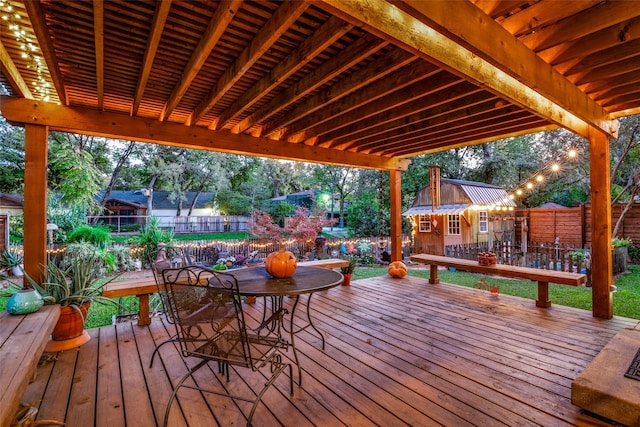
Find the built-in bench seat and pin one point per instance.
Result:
(144, 287)
(22, 341)
(543, 277)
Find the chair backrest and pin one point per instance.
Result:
(207, 312)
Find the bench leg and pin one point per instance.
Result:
(543, 295)
(144, 318)
(433, 274)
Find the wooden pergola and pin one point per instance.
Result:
(362, 83)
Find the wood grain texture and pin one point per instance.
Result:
(399, 352)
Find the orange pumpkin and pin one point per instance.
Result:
(397, 269)
(281, 264)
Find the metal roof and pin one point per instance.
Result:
(441, 210)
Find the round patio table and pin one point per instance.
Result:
(255, 281)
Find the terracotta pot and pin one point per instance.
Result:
(71, 323)
(347, 279)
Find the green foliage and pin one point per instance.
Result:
(74, 175)
(11, 157)
(74, 283)
(233, 203)
(634, 253)
(10, 258)
(99, 236)
(16, 229)
(151, 236)
(353, 263)
(621, 243)
(121, 258)
(67, 218)
(280, 211)
(364, 219)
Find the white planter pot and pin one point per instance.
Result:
(17, 271)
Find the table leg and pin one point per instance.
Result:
(292, 334)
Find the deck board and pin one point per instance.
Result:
(398, 352)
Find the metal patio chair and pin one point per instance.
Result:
(206, 309)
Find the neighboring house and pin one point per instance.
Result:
(469, 212)
(303, 198)
(132, 206)
(10, 204)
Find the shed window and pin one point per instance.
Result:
(424, 223)
(453, 224)
(483, 222)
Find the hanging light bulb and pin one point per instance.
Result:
(555, 167)
(529, 185)
(572, 153)
(539, 178)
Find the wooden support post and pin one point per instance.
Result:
(543, 295)
(35, 200)
(395, 198)
(601, 264)
(433, 274)
(144, 318)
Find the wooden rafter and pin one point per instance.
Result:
(279, 23)
(381, 67)
(123, 126)
(98, 34)
(542, 14)
(222, 17)
(385, 109)
(327, 34)
(377, 90)
(159, 19)
(39, 26)
(13, 75)
(353, 54)
(394, 132)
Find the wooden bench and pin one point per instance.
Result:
(543, 277)
(22, 341)
(144, 287)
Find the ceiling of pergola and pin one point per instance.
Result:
(361, 83)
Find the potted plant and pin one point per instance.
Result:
(74, 285)
(12, 260)
(347, 271)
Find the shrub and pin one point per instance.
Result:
(122, 258)
(98, 236)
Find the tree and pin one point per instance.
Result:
(11, 157)
(625, 173)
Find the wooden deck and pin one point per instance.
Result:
(399, 352)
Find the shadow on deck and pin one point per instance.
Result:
(399, 352)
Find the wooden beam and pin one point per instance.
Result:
(39, 25)
(395, 200)
(35, 200)
(159, 19)
(492, 58)
(333, 29)
(12, 74)
(225, 12)
(601, 261)
(98, 36)
(282, 19)
(123, 126)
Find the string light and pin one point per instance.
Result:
(29, 51)
(540, 176)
